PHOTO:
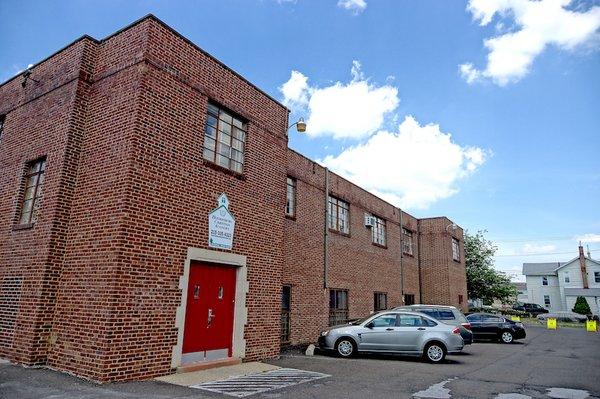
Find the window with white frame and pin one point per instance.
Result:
(290, 203)
(455, 249)
(597, 277)
(407, 242)
(567, 277)
(224, 138)
(544, 280)
(339, 215)
(547, 301)
(378, 231)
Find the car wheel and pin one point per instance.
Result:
(345, 347)
(506, 337)
(435, 352)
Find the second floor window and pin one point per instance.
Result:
(455, 249)
(597, 277)
(290, 202)
(224, 139)
(544, 280)
(2, 117)
(339, 215)
(407, 241)
(378, 231)
(34, 184)
(567, 277)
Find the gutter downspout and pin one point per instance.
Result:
(401, 259)
(419, 261)
(326, 232)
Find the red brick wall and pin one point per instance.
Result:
(442, 278)
(355, 264)
(92, 288)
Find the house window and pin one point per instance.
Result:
(460, 299)
(378, 231)
(339, 215)
(2, 118)
(407, 243)
(34, 183)
(338, 307)
(290, 203)
(224, 138)
(544, 280)
(597, 277)
(380, 301)
(455, 250)
(567, 277)
(547, 301)
(409, 299)
(286, 297)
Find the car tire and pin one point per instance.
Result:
(345, 347)
(434, 352)
(507, 337)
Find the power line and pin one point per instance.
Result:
(544, 253)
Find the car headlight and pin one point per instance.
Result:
(324, 333)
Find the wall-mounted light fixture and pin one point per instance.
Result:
(27, 76)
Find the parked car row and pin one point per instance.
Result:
(429, 331)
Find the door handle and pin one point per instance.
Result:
(421, 328)
(389, 329)
(210, 317)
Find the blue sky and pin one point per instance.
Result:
(486, 111)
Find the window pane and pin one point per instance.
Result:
(29, 193)
(236, 166)
(32, 181)
(237, 144)
(224, 116)
(222, 161)
(237, 156)
(211, 131)
(224, 150)
(213, 109)
(238, 123)
(211, 120)
(225, 128)
(239, 134)
(225, 138)
(25, 218)
(209, 143)
(209, 155)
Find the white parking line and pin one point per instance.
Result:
(262, 382)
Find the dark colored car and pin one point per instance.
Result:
(445, 314)
(495, 327)
(532, 308)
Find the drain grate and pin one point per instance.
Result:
(261, 382)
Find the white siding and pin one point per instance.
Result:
(536, 292)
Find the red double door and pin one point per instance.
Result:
(210, 306)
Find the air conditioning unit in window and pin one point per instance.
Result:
(369, 220)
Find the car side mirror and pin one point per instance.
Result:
(370, 325)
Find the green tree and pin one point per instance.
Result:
(483, 280)
(582, 306)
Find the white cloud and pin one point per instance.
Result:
(355, 6)
(412, 168)
(588, 238)
(343, 110)
(536, 249)
(537, 24)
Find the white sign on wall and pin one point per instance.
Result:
(221, 225)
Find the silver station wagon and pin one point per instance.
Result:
(402, 332)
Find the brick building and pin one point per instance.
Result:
(119, 257)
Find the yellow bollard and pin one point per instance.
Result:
(590, 325)
(551, 323)
(515, 318)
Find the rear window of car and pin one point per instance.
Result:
(446, 315)
(429, 312)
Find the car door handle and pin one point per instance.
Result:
(421, 328)
(389, 329)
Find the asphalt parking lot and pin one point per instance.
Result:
(559, 364)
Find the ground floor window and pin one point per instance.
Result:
(547, 301)
(338, 307)
(380, 301)
(409, 299)
(286, 298)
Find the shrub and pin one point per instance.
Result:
(582, 306)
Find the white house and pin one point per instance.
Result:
(557, 285)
